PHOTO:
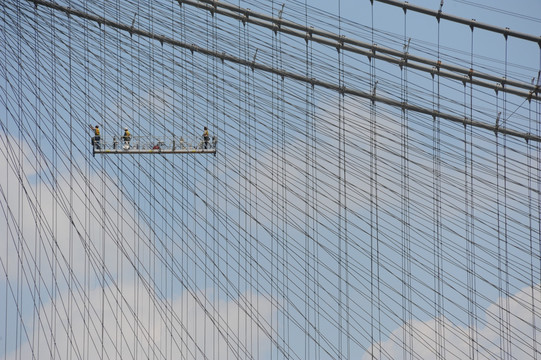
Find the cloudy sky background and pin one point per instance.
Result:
(264, 251)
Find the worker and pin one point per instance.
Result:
(96, 139)
(206, 137)
(126, 138)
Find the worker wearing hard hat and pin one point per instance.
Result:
(96, 139)
(126, 138)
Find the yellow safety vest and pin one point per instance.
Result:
(97, 132)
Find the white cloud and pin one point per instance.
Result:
(508, 324)
(131, 322)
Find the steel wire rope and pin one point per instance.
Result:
(214, 174)
(184, 112)
(137, 168)
(86, 276)
(439, 315)
(70, 299)
(470, 235)
(37, 247)
(241, 28)
(308, 235)
(119, 174)
(375, 295)
(407, 314)
(507, 320)
(253, 136)
(245, 151)
(19, 251)
(274, 170)
(342, 217)
(54, 209)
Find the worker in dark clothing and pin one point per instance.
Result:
(206, 137)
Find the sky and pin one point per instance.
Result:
(237, 267)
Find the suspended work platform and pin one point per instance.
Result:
(154, 145)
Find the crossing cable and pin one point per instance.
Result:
(356, 167)
(283, 73)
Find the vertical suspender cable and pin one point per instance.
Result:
(373, 340)
(247, 188)
(284, 244)
(153, 243)
(214, 235)
(501, 315)
(340, 191)
(101, 195)
(468, 174)
(439, 328)
(37, 238)
(224, 189)
(184, 349)
(241, 35)
(407, 329)
(172, 204)
(54, 187)
(374, 210)
(171, 258)
(88, 194)
(507, 313)
(71, 294)
(246, 177)
(531, 232)
(19, 169)
(119, 204)
(342, 202)
(314, 197)
(204, 164)
(307, 203)
(137, 169)
(252, 190)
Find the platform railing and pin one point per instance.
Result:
(154, 144)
